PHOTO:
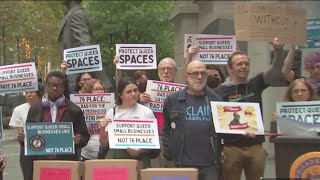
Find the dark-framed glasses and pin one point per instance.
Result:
(51, 85)
(196, 74)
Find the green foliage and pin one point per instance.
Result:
(36, 21)
(116, 22)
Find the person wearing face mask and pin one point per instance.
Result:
(298, 90)
(215, 76)
(189, 138)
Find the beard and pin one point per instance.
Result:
(197, 86)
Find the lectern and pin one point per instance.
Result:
(288, 149)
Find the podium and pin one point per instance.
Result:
(288, 149)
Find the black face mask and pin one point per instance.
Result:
(213, 82)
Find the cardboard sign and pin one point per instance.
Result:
(313, 33)
(307, 112)
(58, 170)
(83, 59)
(169, 174)
(93, 106)
(136, 56)
(237, 117)
(105, 173)
(133, 133)
(158, 91)
(18, 78)
(49, 138)
(262, 21)
(213, 49)
(112, 169)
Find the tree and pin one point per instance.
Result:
(116, 22)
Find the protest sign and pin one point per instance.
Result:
(18, 78)
(136, 56)
(307, 112)
(93, 106)
(213, 49)
(58, 170)
(291, 127)
(313, 33)
(158, 91)
(112, 169)
(262, 21)
(133, 133)
(55, 174)
(1, 123)
(49, 138)
(237, 117)
(83, 59)
(102, 173)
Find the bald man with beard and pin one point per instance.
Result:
(189, 138)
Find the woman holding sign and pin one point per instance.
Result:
(298, 90)
(90, 151)
(127, 108)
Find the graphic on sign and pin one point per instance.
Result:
(110, 173)
(133, 133)
(158, 91)
(237, 117)
(94, 106)
(213, 49)
(49, 138)
(136, 56)
(18, 78)
(83, 59)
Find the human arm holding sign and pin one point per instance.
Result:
(277, 63)
(286, 69)
(191, 51)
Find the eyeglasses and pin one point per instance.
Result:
(97, 90)
(196, 74)
(51, 85)
(85, 79)
(169, 69)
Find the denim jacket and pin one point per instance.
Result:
(174, 111)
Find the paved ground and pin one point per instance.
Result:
(11, 150)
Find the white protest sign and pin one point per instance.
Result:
(93, 106)
(213, 49)
(18, 78)
(291, 127)
(304, 111)
(237, 117)
(133, 133)
(136, 56)
(158, 91)
(83, 59)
